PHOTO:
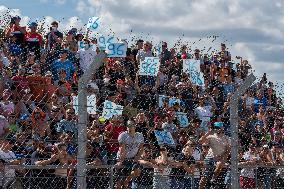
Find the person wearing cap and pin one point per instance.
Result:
(34, 39)
(184, 165)
(219, 148)
(9, 157)
(62, 63)
(111, 132)
(70, 41)
(50, 88)
(129, 152)
(54, 37)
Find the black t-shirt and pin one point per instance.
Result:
(50, 38)
(180, 171)
(146, 177)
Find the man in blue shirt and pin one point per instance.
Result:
(63, 63)
(260, 99)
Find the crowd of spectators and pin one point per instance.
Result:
(38, 124)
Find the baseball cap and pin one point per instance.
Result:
(119, 81)
(16, 18)
(218, 124)
(33, 24)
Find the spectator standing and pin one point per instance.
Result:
(54, 37)
(130, 151)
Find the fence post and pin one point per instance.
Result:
(234, 129)
(83, 119)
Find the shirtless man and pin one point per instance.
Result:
(219, 148)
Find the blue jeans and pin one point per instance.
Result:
(191, 183)
(136, 186)
(177, 183)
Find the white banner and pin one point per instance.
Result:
(192, 68)
(110, 109)
(150, 66)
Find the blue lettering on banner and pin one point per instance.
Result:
(182, 118)
(164, 137)
(103, 41)
(93, 23)
(116, 49)
(150, 66)
(110, 109)
(172, 100)
(192, 68)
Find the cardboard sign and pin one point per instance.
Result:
(164, 137)
(116, 49)
(93, 23)
(104, 40)
(150, 66)
(182, 118)
(91, 104)
(172, 100)
(110, 109)
(192, 68)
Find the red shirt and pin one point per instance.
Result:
(112, 144)
(33, 38)
(21, 82)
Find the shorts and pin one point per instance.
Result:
(246, 182)
(209, 165)
(128, 166)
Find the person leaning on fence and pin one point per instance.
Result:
(185, 164)
(247, 176)
(6, 154)
(62, 177)
(145, 179)
(130, 151)
(219, 150)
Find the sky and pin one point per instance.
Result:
(252, 29)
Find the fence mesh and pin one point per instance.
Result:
(182, 130)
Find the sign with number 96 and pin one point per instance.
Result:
(93, 23)
(116, 49)
(150, 66)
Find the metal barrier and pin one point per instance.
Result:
(105, 177)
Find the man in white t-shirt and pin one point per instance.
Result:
(10, 159)
(130, 151)
(86, 55)
(205, 112)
